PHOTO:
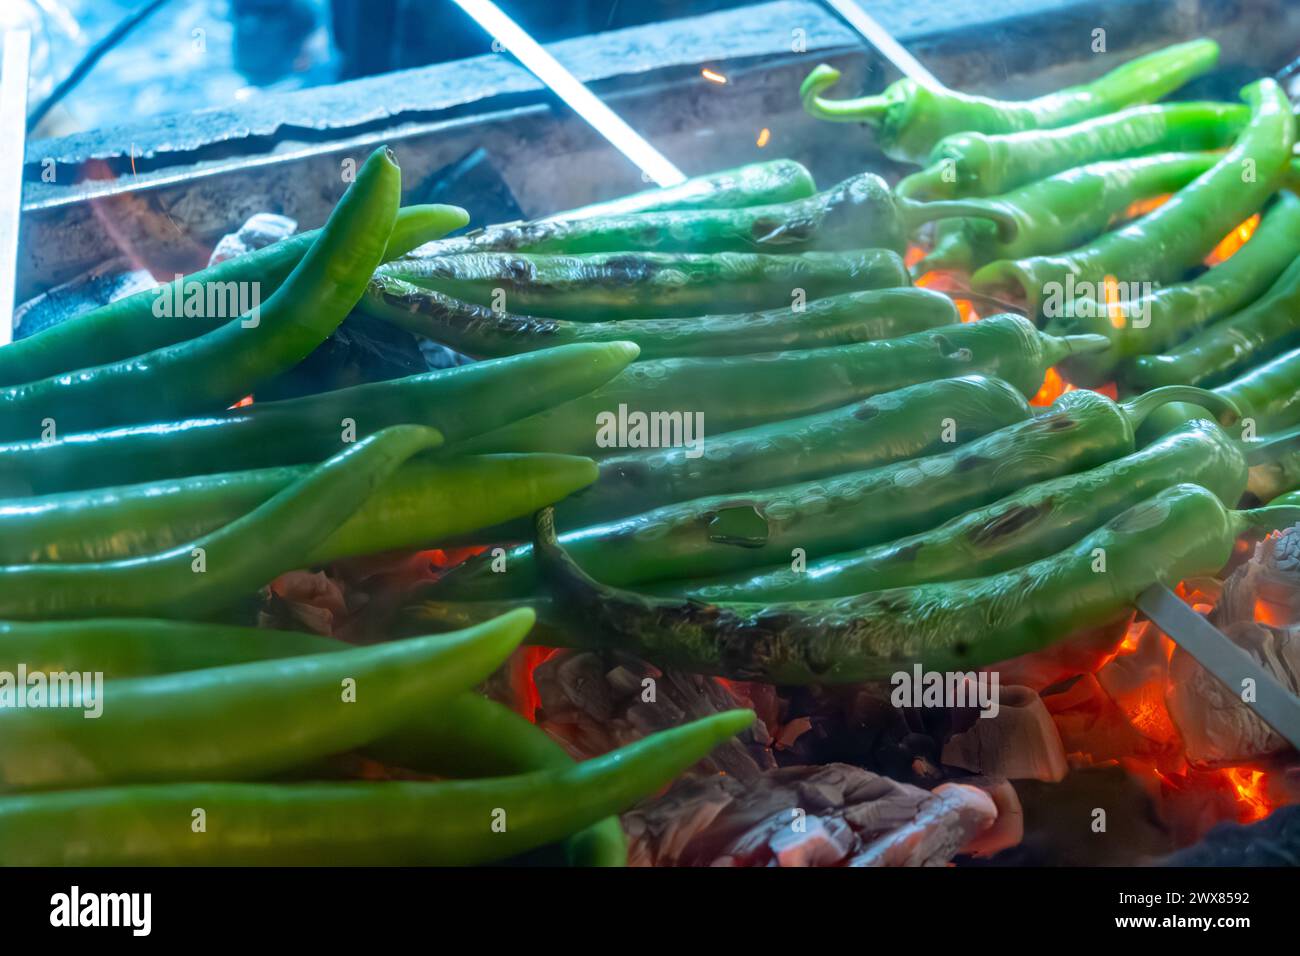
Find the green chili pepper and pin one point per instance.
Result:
(1058, 213)
(423, 503)
(1166, 242)
(979, 164)
(648, 284)
(1181, 532)
(463, 736)
(909, 119)
(385, 823)
(728, 532)
(247, 720)
(837, 320)
(1267, 396)
(916, 420)
(218, 568)
(739, 391)
(860, 212)
(219, 368)
(780, 180)
(1158, 320)
(129, 327)
(459, 402)
(1259, 331)
(1030, 524)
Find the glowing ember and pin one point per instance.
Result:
(1248, 785)
(1114, 310)
(713, 77)
(1143, 206)
(764, 137)
(1233, 241)
(1053, 387)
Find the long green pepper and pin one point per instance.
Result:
(129, 327)
(1159, 319)
(213, 571)
(244, 721)
(219, 368)
(861, 212)
(980, 164)
(1181, 532)
(728, 532)
(424, 503)
(909, 118)
(843, 319)
(1060, 212)
(740, 391)
(459, 402)
(348, 824)
(1027, 525)
(1162, 245)
(642, 285)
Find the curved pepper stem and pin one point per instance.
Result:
(1268, 518)
(1059, 347)
(913, 214)
(1139, 408)
(864, 109)
(1270, 448)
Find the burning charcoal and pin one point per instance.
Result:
(1019, 743)
(594, 702)
(1217, 727)
(113, 280)
(260, 230)
(828, 815)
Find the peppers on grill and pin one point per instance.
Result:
(459, 402)
(1058, 213)
(617, 285)
(858, 213)
(1162, 245)
(727, 532)
(1260, 330)
(129, 327)
(739, 391)
(909, 118)
(219, 368)
(1182, 532)
(348, 824)
(980, 164)
(425, 502)
(836, 320)
(1159, 319)
(213, 571)
(1031, 523)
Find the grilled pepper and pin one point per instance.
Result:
(1162, 245)
(219, 368)
(740, 391)
(727, 532)
(909, 119)
(979, 164)
(1181, 532)
(858, 213)
(648, 284)
(837, 320)
(1158, 320)
(1058, 213)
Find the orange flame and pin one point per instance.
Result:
(1233, 241)
(1249, 787)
